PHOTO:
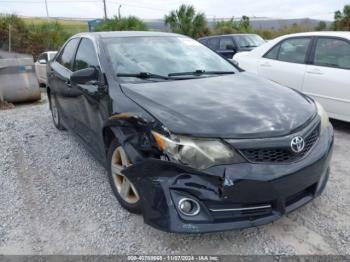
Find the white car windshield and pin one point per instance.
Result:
(163, 56)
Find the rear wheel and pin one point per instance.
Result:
(122, 187)
(56, 115)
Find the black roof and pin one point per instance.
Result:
(205, 37)
(126, 34)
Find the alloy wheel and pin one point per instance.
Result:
(123, 185)
(54, 111)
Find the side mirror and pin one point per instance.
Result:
(85, 76)
(42, 61)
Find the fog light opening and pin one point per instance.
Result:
(189, 207)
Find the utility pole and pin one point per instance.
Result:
(10, 41)
(119, 15)
(105, 8)
(47, 10)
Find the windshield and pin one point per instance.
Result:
(162, 55)
(51, 55)
(249, 40)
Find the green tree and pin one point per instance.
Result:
(18, 32)
(322, 26)
(226, 27)
(244, 25)
(186, 20)
(130, 23)
(45, 36)
(231, 26)
(342, 19)
(33, 38)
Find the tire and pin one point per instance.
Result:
(55, 112)
(123, 189)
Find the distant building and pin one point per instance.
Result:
(92, 24)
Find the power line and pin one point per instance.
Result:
(105, 8)
(47, 9)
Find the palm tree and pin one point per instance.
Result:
(342, 19)
(187, 21)
(226, 27)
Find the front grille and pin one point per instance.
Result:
(282, 154)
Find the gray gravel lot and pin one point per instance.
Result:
(56, 199)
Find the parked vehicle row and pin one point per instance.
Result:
(189, 140)
(317, 64)
(228, 45)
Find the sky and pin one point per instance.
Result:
(152, 9)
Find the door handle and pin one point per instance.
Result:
(68, 83)
(314, 71)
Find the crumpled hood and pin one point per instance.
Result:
(231, 106)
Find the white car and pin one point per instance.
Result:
(315, 63)
(41, 64)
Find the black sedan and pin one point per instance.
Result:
(229, 45)
(189, 140)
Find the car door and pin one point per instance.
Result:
(327, 78)
(60, 72)
(285, 63)
(92, 103)
(226, 47)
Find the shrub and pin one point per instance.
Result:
(130, 23)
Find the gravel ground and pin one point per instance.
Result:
(55, 199)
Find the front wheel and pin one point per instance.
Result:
(122, 187)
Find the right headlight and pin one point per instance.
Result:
(195, 152)
(324, 116)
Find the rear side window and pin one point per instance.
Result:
(292, 50)
(65, 58)
(332, 52)
(213, 43)
(43, 57)
(226, 42)
(86, 55)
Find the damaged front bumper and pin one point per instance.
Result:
(230, 196)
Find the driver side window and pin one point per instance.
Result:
(226, 43)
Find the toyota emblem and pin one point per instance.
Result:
(297, 144)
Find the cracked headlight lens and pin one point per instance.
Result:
(197, 153)
(324, 116)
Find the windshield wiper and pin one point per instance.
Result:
(202, 72)
(143, 75)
